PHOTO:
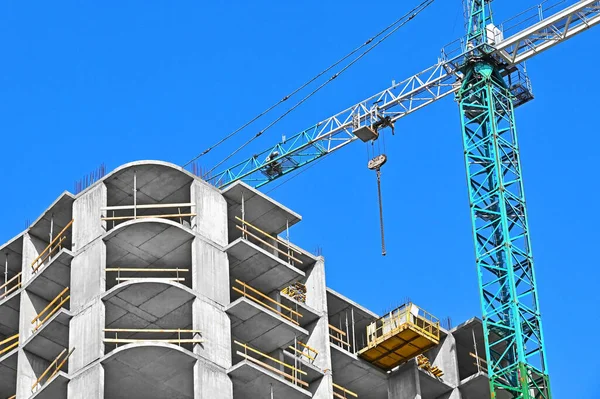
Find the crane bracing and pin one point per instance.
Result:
(487, 80)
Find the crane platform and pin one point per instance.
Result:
(401, 335)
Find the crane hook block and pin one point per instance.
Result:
(366, 133)
(377, 162)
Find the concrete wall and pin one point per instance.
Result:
(88, 384)
(211, 319)
(86, 335)
(87, 212)
(210, 271)
(210, 382)
(211, 211)
(404, 383)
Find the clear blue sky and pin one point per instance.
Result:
(82, 83)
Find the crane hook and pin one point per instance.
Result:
(376, 164)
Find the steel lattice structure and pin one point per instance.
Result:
(488, 84)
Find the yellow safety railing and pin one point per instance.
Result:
(247, 292)
(408, 315)
(179, 340)
(479, 362)
(305, 351)
(55, 244)
(135, 208)
(10, 342)
(339, 337)
(13, 397)
(345, 393)
(54, 365)
(11, 285)
(119, 270)
(289, 254)
(51, 309)
(294, 377)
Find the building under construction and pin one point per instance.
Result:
(151, 283)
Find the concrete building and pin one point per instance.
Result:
(153, 284)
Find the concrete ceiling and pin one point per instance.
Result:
(14, 251)
(9, 315)
(61, 212)
(251, 381)
(260, 210)
(258, 268)
(260, 328)
(357, 375)
(149, 244)
(149, 371)
(8, 373)
(155, 184)
(52, 278)
(50, 339)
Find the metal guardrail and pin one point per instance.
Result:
(50, 309)
(338, 337)
(135, 215)
(118, 270)
(407, 315)
(179, 340)
(57, 367)
(344, 392)
(56, 243)
(11, 342)
(7, 285)
(289, 254)
(294, 377)
(248, 291)
(306, 352)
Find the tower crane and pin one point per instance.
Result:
(488, 82)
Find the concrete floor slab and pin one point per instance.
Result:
(261, 328)
(52, 278)
(258, 268)
(56, 388)
(357, 375)
(8, 373)
(251, 381)
(51, 338)
(149, 371)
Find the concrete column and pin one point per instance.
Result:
(86, 336)
(88, 278)
(316, 298)
(87, 212)
(29, 368)
(213, 322)
(210, 271)
(211, 382)
(404, 383)
(32, 247)
(444, 356)
(87, 385)
(211, 212)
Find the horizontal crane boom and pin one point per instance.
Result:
(404, 98)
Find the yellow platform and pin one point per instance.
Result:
(400, 336)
